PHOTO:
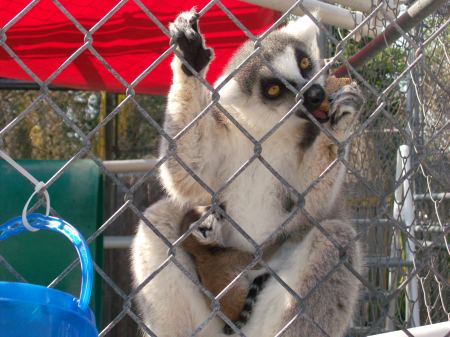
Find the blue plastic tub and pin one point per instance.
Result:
(28, 310)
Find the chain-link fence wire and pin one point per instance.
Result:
(406, 88)
(374, 155)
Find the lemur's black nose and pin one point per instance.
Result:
(313, 97)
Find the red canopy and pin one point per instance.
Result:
(129, 41)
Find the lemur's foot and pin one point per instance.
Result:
(346, 104)
(185, 34)
(209, 231)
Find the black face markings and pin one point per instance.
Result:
(309, 135)
(273, 91)
(304, 62)
(269, 84)
(274, 44)
(313, 97)
(288, 203)
(272, 88)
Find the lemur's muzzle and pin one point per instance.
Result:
(312, 98)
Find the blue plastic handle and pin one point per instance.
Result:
(40, 221)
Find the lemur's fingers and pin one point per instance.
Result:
(346, 104)
(185, 34)
(208, 231)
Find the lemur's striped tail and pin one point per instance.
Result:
(244, 316)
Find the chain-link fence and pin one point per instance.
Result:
(398, 182)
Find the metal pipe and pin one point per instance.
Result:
(117, 242)
(432, 330)
(431, 228)
(407, 215)
(408, 20)
(10, 84)
(403, 209)
(365, 6)
(386, 262)
(329, 14)
(129, 166)
(395, 248)
(357, 5)
(434, 196)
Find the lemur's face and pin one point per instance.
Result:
(259, 89)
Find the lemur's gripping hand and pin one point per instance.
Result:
(186, 35)
(346, 104)
(209, 232)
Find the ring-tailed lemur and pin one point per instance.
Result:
(214, 148)
(250, 300)
(214, 265)
(218, 266)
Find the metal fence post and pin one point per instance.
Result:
(404, 212)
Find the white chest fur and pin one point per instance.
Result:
(256, 198)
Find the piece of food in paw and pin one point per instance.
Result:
(333, 84)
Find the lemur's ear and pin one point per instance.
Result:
(307, 31)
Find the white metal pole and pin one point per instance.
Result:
(395, 243)
(365, 6)
(117, 242)
(432, 330)
(407, 215)
(357, 5)
(128, 166)
(329, 14)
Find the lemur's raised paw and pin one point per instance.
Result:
(208, 232)
(346, 104)
(185, 34)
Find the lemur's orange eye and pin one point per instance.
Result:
(274, 90)
(305, 63)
